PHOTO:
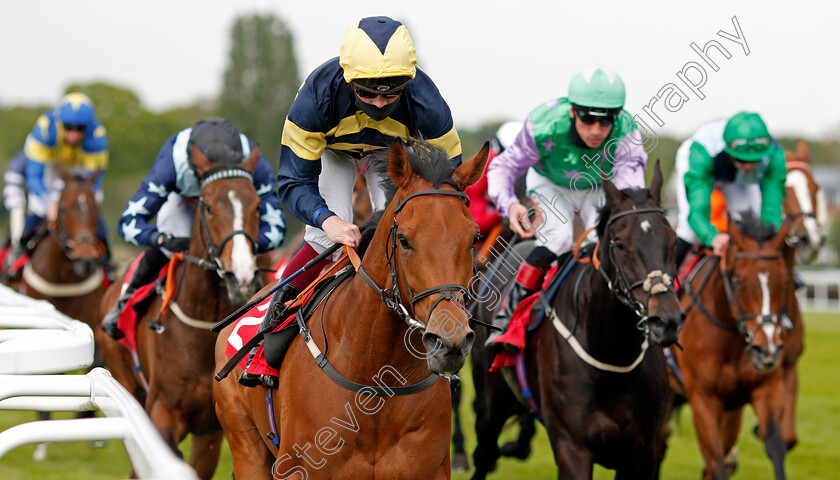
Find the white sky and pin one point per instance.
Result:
(491, 59)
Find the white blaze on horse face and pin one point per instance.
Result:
(797, 181)
(769, 328)
(645, 226)
(243, 261)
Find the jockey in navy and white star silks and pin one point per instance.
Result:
(172, 179)
(166, 192)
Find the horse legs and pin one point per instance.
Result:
(204, 453)
(521, 448)
(768, 402)
(730, 427)
(251, 457)
(491, 412)
(460, 462)
(708, 414)
(573, 462)
(793, 349)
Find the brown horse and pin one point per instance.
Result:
(66, 267)
(805, 205)
(366, 428)
(601, 391)
(733, 343)
(218, 273)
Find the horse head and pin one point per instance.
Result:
(228, 222)
(638, 257)
(429, 247)
(77, 222)
(756, 281)
(805, 203)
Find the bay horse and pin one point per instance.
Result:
(805, 204)
(601, 391)
(367, 428)
(733, 342)
(66, 267)
(218, 273)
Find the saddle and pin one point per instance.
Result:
(140, 301)
(270, 354)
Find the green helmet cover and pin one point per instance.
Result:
(597, 87)
(746, 137)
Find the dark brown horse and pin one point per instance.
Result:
(733, 343)
(805, 205)
(419, 261)
(601, 391)
(217, 275)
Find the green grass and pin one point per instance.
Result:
(816, 457)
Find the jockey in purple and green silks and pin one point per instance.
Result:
(567, 147)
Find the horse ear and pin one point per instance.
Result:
(91, 181)
(470, 171)
(399, 168)
(251, 162)
(62, 172)
(198, 158)
(611, 193)
(783, 232)
(802, 151)
(656, 182)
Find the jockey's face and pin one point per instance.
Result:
(592, 135)
(74, 134)
(377, 100)
(744, 167)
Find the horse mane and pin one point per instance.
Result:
(428, 161)
(637, 195)
(753, 227)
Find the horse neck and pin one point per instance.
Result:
(610, 326)
(370, 333)
(50, 261)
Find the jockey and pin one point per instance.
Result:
(69, 136)
(168, 191)
(14, 196)
(741, 160)
(347, 108)
(567, 146)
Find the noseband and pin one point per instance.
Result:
(391, 296)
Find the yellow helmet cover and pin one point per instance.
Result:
(377, 47)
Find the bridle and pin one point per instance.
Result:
(214, 251)
(391, 296)
(655, 283)
(729, 285)
(68, 243)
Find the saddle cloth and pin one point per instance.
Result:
(137, 303)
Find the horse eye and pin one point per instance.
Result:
(208, 209)
(620, 246)
(404, 242)
(476, 239)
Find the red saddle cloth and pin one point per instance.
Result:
(246, 327)
(127, 322)
(518, 326)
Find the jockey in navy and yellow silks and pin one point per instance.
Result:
(70, 136)
(347, 108)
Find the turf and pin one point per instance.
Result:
(816, 457)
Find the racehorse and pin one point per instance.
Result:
(66, 266)
(601, 392)
(391, 412)
(805, 205)
(218, 273)
(732, 342)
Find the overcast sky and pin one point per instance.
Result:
(491, 59)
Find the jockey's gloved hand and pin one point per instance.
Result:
(173, 243)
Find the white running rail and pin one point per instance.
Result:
(38, 339)
(822, 293)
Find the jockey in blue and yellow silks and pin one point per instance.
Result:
(69, 136)
(348, 107)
